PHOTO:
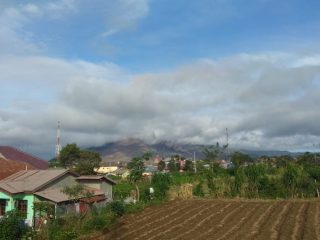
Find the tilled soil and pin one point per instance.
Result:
(223, 220)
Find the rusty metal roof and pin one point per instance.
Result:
(9, 167)
(21, 156)
(30, 180)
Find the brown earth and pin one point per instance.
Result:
(222, 220)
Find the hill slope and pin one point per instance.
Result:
(125, 150)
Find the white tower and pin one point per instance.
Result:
(227, 145)
(58, 144)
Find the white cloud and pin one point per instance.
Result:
(15, 38)
(261, 99)
(124, 14)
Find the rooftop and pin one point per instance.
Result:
(96, 177)
(56, 195)
(11, 153)
(9, 167)
(30, 180)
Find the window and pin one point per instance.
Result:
(3, 204)
(22, 206)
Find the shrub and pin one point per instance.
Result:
(161, 183)
(95, 222)
(198, 191)
(12, 226)
(133, 208)
(122, 190)
(118, 208)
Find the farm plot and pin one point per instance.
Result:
(223, 220)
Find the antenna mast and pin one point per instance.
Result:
(227, 144)
(58, 144)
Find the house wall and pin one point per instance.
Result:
(30, 211)
(11, 204)
(9, 200)
(105, 187)
(66, 180)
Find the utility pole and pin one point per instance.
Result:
(194, 162)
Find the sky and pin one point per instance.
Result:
(180, 71)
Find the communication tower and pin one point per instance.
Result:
(58, 144)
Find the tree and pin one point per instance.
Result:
(54, 162)
(188, 166)
(69, 155)
(76, 192)
(210, 153)
(161, 183)
(239, 159)
(161, 165)
(173, 165)
(136, 166)
(80, 161)
(87, 162)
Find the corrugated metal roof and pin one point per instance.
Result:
(18, 155)
(9, 167)
(56, 195)
(30, 181)
(96, 177)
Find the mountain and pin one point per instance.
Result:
(125, 150)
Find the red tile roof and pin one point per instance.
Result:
(9, 167)
(18, 155)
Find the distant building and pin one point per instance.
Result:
(150, 170)
(106, 170)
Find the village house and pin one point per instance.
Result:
(23, 189)
(106, 170)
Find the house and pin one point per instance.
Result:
(23, 189)
(121, 172)
(98, 182)
(106, 170)
(149, 170)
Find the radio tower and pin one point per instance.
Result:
(58, 144)
(227, 145)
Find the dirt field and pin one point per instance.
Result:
(223, 219)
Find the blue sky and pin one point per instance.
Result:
(170, 33)
(159, 70)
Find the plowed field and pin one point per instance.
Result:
(223, 219)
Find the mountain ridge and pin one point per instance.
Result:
(124, 150)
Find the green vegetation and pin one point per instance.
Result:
(80, 161)
(268, 178)
(12, 226)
